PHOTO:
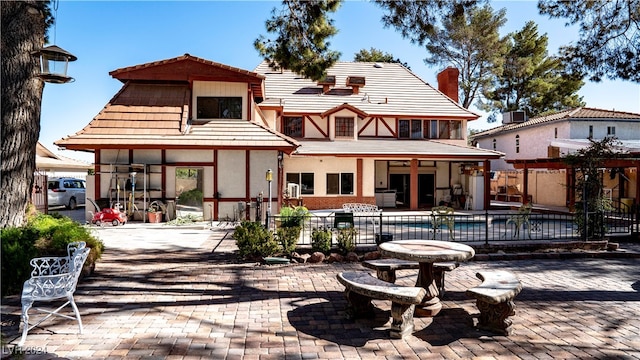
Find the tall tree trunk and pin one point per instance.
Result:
(23, 33)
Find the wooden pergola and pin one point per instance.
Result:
(629, 161)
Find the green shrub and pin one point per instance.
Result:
(288, 238)
(18, 247)
(346, 239)
(55, 232)
(293, 216)
(321, 240)
(254, 241)
(43, 235)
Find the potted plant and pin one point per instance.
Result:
(154, 212)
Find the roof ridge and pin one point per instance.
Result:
(186, 56)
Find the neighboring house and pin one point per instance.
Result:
(192, 124)
(540, 142)
(50, 164)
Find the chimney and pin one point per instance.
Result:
(448, 82)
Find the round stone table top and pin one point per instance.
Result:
(426, 250)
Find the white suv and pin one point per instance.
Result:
(69, 192)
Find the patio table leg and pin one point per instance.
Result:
(430, 305)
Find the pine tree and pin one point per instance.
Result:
(301, 45)
(532, 80)
(609, 43)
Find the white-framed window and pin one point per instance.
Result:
(219, 107)
(611, 131)
(517, 144)
(292, 126)
(590, 131)
(429, 129)
(340, 184)
(344, 126)
(493, 144)
(305, 180)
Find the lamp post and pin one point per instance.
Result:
(133, 194)
(269, 178)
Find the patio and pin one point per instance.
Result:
(180, 293)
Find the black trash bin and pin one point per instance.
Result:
(343, 220)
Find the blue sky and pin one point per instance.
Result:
(113, 34)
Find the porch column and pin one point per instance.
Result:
(487, 184)
(525, 185)
(97, 170)
(359, 180)
(413, 185)
(216, 199)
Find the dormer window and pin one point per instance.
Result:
(344, 127)
(216, 107)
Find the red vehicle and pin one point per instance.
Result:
(111, 215)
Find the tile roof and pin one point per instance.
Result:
(390, 90)
(394, 148)
(215, 134)
(156, 115)
(143, 109)
(576, 113)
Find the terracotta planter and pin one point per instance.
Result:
(155, 217)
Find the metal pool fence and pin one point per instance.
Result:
(468, 227)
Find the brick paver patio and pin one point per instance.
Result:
(181, 294)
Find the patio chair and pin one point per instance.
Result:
(442, 215)
(521, 219)
(53, 278)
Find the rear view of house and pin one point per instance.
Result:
(192, 132)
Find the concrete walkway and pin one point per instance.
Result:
(181, 294)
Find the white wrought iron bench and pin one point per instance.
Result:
(369, 211)
(53, 278)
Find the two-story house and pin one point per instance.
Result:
(190, 126)
(540, 142)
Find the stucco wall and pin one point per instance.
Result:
(232, 173)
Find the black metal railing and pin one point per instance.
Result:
(473, 227)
